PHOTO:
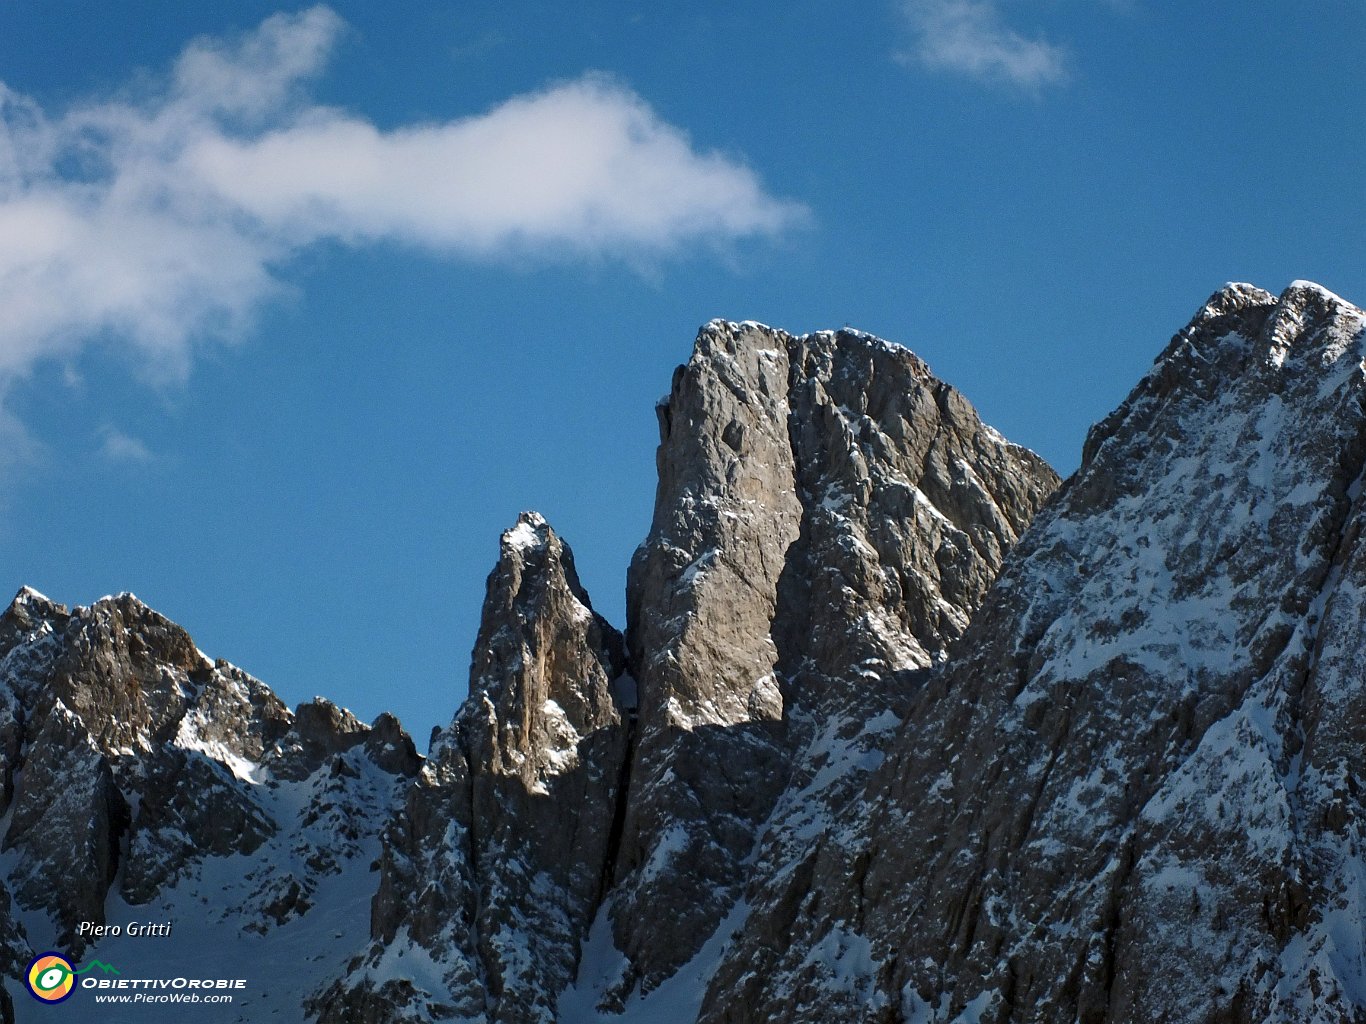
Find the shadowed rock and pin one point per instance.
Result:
(829, 515)
(141, 765)
(498, 861)
(1133, 793)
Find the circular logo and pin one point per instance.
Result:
(50, 977)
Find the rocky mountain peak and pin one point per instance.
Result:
(1134, 771)
(497, 864)
(132, 761)
(794, 473)
(828, 516)
(544, 662)
(900, 730)
(33, 605)
(530, 532)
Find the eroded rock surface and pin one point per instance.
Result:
(145, 781)
(494, 869)
(829, 515)
(1133, 792)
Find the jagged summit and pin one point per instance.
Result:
(1315, 288)
(530, 531)
(735, 327)
(1245, 333)
(1131, 795)
(899, 730)
(133, 766)
(28, 596)
(500, 858)
(828, 516)
(532, 543)
(1256, 315)
(27, 612)
(754, 333)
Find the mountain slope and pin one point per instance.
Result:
(1132, 794)
(829, 514)
(146, 782)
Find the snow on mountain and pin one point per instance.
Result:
(1131, 794)
(898, 730)
(829, 515)
(147, 783)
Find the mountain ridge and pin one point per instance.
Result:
(1227, 482)
(900, 727)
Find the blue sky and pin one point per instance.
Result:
(302, 305)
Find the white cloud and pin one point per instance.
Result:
(583, 167)
(118, 447)
(971, 38)
(157, 221)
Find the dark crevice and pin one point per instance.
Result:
(1026, 821)
(474, 903)
(1114, 919)
(608, 872)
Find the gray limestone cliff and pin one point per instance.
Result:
(493, 870)
(137, 771)
(1133, 793)
(829, 516)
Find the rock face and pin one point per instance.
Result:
(829, 515)
(899, 731)
(495, 867)
(136, 770)
(1133, 793)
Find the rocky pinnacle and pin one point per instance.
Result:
(1133, 793)
(496, 864)
(828, 517)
